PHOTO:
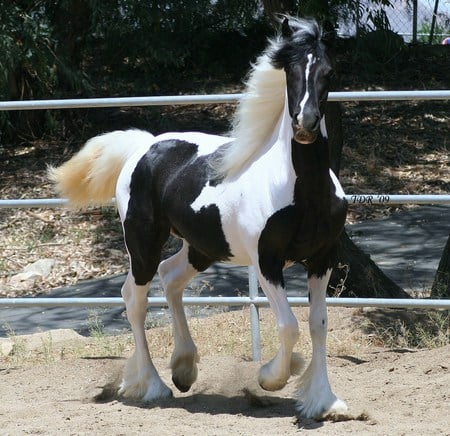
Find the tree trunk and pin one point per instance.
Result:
(72, 24)
(441, 283)
(357, 275)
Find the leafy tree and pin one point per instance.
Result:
(335, 10)
(26, 59)
(53, 49)
(72, 22)
(163, 37)
(27, 68)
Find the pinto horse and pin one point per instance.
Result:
(266, 197)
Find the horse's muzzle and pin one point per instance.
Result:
(303, 136)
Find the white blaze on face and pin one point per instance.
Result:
(309, 64)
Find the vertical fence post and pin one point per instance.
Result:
(433, 22)
(254, 314)
(414, 22)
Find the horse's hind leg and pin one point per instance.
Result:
(175, 273)
(144, 237)
(140, 379)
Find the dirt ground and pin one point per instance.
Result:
(68, 386)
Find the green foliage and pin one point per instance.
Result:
(70, 48)
(26, 62)
(371, 12)
(47, 48)
(425, 30)
(164, 37)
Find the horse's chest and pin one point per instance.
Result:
(297, 233)
(313, 233)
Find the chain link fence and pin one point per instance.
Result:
(422, 21)
(425, 21)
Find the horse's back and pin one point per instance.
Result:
(206, 143)
(168, 152)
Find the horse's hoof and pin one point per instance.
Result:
(270, 382)
(154, 396)
(271, 386)
(180, 386)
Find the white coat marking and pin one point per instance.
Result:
(311, 62)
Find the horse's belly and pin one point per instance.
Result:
(241, 221)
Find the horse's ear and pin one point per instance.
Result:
(286, 29)
(328, 32)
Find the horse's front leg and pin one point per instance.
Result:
(141, 379)
(315, 398)
(275, 373)
(175, 273)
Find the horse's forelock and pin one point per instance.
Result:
(306, 34)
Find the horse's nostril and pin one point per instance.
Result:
(308, 120)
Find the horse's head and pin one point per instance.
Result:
(302, 52)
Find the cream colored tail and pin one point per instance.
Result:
(90, 176)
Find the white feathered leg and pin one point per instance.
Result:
(314, 397)
(141, 379)
(175, 273)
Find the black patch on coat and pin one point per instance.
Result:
(165, 182)
(306, 231)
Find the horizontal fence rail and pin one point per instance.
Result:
(388, 199)
(29, 203)
(209, 99)
(367, 199)
(225, 301)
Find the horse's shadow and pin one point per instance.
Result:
(246, 403)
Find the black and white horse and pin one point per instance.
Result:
(266, 197)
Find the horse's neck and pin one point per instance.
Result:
(303, 158)
(312, 167)
(307, 165)
(311, 158)
(284, 131)
(278, 148)
(303, 166)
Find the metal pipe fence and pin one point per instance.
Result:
(209, 99)
(416, 303)
(253, 301)
(366, 199)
